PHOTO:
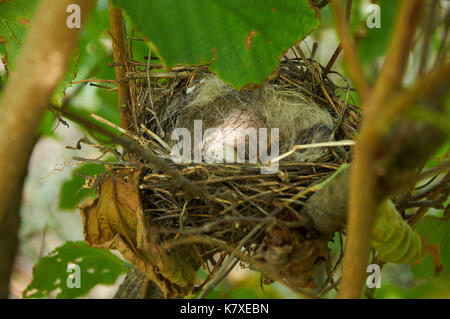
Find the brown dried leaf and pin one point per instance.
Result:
(112, 212)
(114, 220)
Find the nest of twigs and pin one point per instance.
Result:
(256, 218)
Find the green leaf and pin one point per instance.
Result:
(51, 273)
(243, 39)
(95, 54)
(71, 192)
(71, 72)
(436, 230)
(93, 43)
(15, 17)
(47, 124)
(437, 119)
(440, 155)
(435, 288)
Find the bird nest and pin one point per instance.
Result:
(172, 218)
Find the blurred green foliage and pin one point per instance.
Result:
(15, 17)
(72, 191)
(51, 273)
(436, 230)
(248, 287)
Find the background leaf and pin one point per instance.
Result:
(375, 41)
(15, 17)
(436, 230)
(71, 72)
(72, 193)
(97, 265)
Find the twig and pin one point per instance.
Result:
(365, 190)
(94, 80)
(348, 11)
(108, 123)
(316, 76)
(312, 145)
(156, 75)
(150, 94)
(243, 257)
(157, 138)
(401, 102)
(225, 268)
(350, 54)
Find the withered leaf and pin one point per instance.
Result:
(115, 220)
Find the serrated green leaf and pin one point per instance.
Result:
(71, 192)
(51, 274)
(15, 17)
(242, 38)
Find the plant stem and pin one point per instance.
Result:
(365, 186)
(40, 66)
(119, 43)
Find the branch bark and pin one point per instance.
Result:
(137, 286)
(40, 65)
(365, 192)
(9, 229)
(9, 240)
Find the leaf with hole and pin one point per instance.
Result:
(72, 270)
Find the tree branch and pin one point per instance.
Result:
(365, 188)
(41, 64)
(119, 43)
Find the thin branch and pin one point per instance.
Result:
(316, 76)
(147, 155)
(350, 54)
(228, 265)
(365, 190)
(157, 75)
(312, 145)
(348, 12)
(40, 66)
(119, 43)
(430, 26)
